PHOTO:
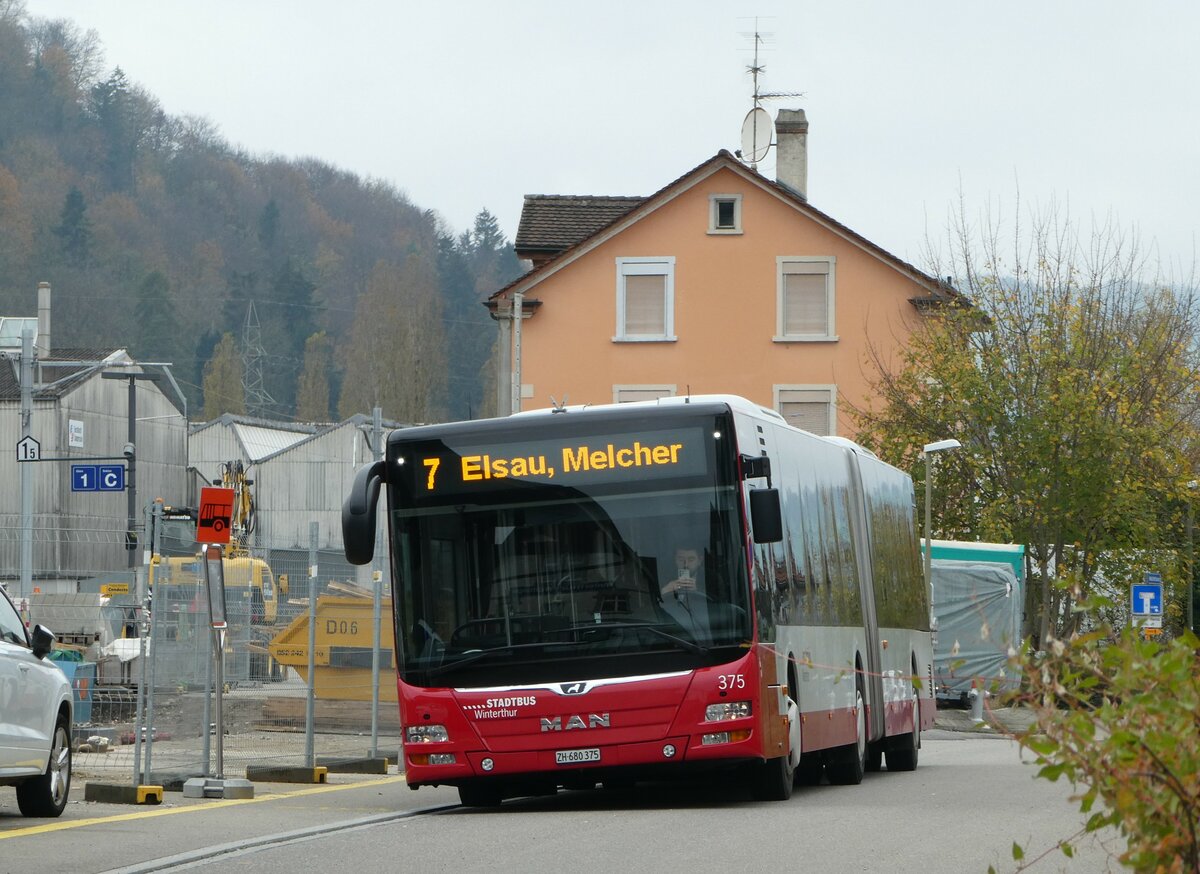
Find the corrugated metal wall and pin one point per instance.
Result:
(308, 482)
(93, 523)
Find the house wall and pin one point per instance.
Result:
(725, 293)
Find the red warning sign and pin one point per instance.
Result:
(216, 515)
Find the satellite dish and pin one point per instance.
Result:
(757, 132)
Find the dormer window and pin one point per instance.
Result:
(725, 214)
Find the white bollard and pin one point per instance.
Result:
(976, 697)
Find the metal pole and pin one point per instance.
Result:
(153, 523)
(141, 689)
(311, 703)
(1191, 576)
(219, 639)
(376, 580)
(517, 315)
(928, 516)
(132, 480)
(26, 471)
(208, 690)
(503, 318)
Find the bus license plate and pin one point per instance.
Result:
(575, 757)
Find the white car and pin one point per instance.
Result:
(35, 717)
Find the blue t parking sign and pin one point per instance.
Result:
(1147, 599)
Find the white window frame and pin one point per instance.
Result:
(665, 391)
(780, 393)
(828, 334)
(713, 200)
(653, 266)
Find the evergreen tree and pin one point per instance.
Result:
(396, 358)
(486, 235)
(268, 225)
(223, 388)
(113, 105)
(156, 326)
(73, 230)
(292, 294)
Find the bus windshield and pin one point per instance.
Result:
(549, 578)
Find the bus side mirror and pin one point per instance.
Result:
(358, 514)
(766, 520)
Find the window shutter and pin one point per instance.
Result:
(807, 409)
(645, 305)
(629, 395)
(805, 304)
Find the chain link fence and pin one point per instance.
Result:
(308, 665)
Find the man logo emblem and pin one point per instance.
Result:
(572, 688)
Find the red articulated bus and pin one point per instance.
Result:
(616, 593)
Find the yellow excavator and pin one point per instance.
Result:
(250, 586)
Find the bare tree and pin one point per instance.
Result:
(82, 48)
(1071, 383)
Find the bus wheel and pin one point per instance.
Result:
(479, 795)
(773, 779)
(847, 764)
(902, 751)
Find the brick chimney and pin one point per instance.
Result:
(791, 150)
(42, 343)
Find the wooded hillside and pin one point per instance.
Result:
(159, 236)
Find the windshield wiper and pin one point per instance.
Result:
(682, 642)
(473, 655)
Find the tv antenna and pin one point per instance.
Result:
(757, 128)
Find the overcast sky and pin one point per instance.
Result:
(465, 105)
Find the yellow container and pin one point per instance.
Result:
(342, 656)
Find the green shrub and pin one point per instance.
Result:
(1120, 718)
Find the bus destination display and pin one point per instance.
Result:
(453, 469)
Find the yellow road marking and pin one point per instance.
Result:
(188, 808)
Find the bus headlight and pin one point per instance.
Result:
(426, 734)
(724, 737)
(727, 710)
(435, 759)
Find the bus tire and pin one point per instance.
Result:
(772, 780)
(902, 752)
(480, 795)
(847, 764)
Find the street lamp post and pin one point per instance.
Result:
(929, 449)
(1191, 577)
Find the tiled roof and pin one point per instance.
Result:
(554, 222)
(599, 213)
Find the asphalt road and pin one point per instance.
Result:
(960, 811)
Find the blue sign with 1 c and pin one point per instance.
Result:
(97, 477)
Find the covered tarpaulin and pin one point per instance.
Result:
(977, 607)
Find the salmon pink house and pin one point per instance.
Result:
(723, 281)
